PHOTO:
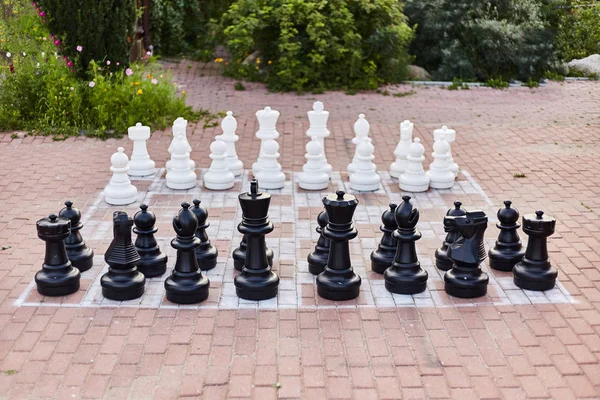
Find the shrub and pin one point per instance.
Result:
(495, 39)
(578, 31)
(105, 28)
(44, 96)
(317, 44)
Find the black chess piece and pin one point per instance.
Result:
(123, 281)
(206, 253)
(405, 275)
(466, 279)
(508, 250)
(239, 254)
(80, 255)
(256, 281)
(442, 262)
(153, 262)
(338, 281)
(57, 276)
(383, 257)
(186, 285)
(535, 272)
(317, 260)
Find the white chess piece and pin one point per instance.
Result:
(270, 175)
(229, 126)
(414, 179)
(318, 127)
(267, 121)
(180, 175)
(450, 136)
(314, 175)
(140, 163)
(440, 174)
(365, 178)
(119, 190)
(218, 176)
(180, 130)
(401, 152)
(361, 133)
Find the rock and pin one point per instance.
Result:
(589, 65)
(416, 73)
(251, 59)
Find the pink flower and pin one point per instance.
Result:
(44, 38)
(79, 48)
(42, 14)
(92, 84)
(52, 36)
(107, 62)
(57, 42)
(154, 81)
(118, 63)
(148, 53)
(128, 72)
(69, 63)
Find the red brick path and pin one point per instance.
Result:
(543, 351)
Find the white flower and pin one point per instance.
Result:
(43, 54)
(8, 55)
(24, 54)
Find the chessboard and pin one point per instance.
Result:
(294, 213)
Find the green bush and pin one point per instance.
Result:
(317, 44)
(104, 28)
(578, 32)
(495, 39)
(44, 96)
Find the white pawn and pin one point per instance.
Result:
(414, 179)
(229, 126)
(450, 136)
(318, 127)
(140, 163)
(218, 176)
(440, 174)
(314, 175)
(361, 133)
(401, 152)
(180, 175)
(267, 121)
(270, 175)
(119, 190)
(365, 178)
(180, 131)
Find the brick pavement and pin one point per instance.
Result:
(486, 350)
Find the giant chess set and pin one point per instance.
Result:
(230, 261)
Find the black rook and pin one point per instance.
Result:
(338, 281)
(57, 276)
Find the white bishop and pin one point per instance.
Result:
(119, 190)
(218, 176)
(365, 179)
(318, 127)
(401, 152)
(270, 175)
(314, 175)
(361, 133)
(229, 126)
(414, 179)
(267, 121)
(140, 163)
(440, 174)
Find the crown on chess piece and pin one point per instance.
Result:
(255, 205)
(267, 119)
(340, 209)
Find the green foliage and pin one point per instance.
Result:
(481, 39)
(239, 86)
(103, 28)
(44, 96)
(496, 83)
(578, 30)
(458, 84)
(317, 44)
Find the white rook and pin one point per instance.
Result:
(140, 163)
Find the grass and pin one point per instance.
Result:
(239, 86)
(496, 84)
(404, 94)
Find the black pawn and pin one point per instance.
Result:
(239, 254)
(383, 257)
(57, 276)
(338, 281)
(153, 262)
(405, 276)
(80, 255)
(256, 281)
(317, 260)
(508, 250)
(206, 254)
(466, 279)
(535, 272)
(186, 285)
(441, 255)
(123, 281)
